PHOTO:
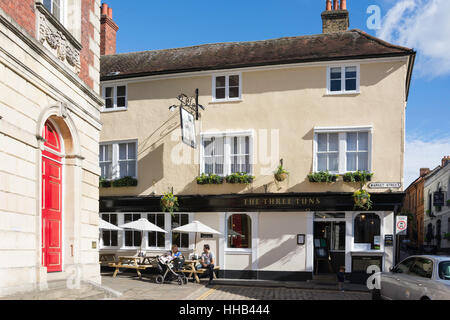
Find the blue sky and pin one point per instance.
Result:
(420, 24)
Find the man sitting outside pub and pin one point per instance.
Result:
(208, 261)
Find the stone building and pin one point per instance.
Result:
(334, 101)
(49, 133)
(437, 207)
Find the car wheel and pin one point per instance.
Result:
(180, 281)
(159, 279)
(376, 295)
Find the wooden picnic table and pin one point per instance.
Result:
(107, 257)
(189, 267)
(127, 262)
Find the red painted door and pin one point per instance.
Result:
(51, 200)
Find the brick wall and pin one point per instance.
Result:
(23, 12)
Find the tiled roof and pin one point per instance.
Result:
(352, 44)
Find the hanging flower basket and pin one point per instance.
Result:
(169, 202)
(362, 199)
(281, 174)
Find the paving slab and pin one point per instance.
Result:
(133, 288)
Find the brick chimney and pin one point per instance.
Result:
(424, 171)
(108, 31)
(445, 160)
(335, 18)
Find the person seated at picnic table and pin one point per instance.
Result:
(178, 258)
(208, 261)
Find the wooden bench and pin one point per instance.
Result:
(129, 263)
(190, 268)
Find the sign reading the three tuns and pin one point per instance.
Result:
(401, 224)
(385, 185)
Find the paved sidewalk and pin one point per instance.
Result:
(133, 288)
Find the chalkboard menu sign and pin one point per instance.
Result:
(389, 240)
(206, 235)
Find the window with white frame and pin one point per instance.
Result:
(118, 160)
(328, 152)
(213, 155)
(132, 238)
(357, 151)
(226, 154)
(339, 151)
(178, 238)
(343, 79)
(110, 237)
(115, 97)
(56, 8)
(227, 87)
(105, 156)
(156, 239)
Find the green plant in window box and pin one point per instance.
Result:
(362, 200)
(169, 202)
(103, 183)
(322, 176)
(125, 182)
(358, 176)
(446, 236)
(209, 179)
(448, 203)
(240, 177)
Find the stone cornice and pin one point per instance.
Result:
(39, 49)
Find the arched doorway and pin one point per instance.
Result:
(52, 177)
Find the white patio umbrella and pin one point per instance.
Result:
(108, 226)
(142, 225)
(196, 227)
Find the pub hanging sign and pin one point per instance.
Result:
(438, 199)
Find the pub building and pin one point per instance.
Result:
(333, 102)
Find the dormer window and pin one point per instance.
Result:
(56, 8)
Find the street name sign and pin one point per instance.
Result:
(385, 185)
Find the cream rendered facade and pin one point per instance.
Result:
(36, 86)
(286, 103)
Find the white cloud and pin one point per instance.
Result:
(425, 26)
(423, 154)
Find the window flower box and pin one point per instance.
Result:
(125, 182)
(322, 176)
(358, 176)
(209, 179)
(118, 183)
(239, 178)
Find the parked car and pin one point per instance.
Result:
(422, 277)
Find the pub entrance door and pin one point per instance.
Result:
(329, 246)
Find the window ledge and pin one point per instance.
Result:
(113, 110)
(340, 93)
(226, 101)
